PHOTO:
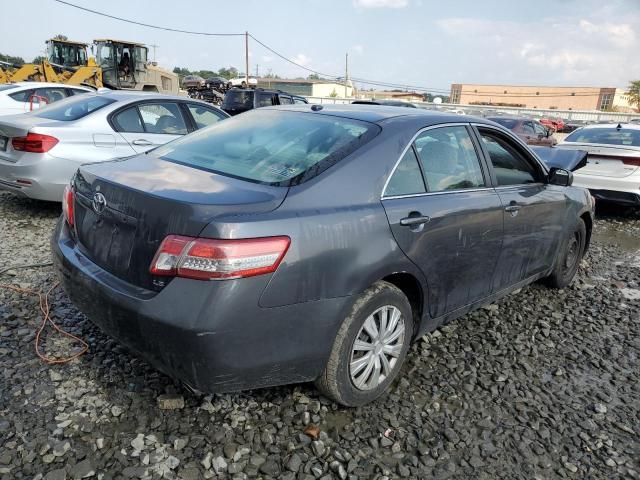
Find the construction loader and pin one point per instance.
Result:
(120, 65)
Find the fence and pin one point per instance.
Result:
(585, 115)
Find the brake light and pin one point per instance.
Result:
(209, 259)
(634, 161)
(34, 143)
(67, 205)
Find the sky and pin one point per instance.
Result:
(426, 43)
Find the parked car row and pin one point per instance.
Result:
(296, 243)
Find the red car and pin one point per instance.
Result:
(557, 124)
(530, 131)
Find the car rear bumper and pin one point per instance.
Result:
(622, 190)
(42, 177)
(211, 335)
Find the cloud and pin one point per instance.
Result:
(594, 50)
(359, 49)
(380, 3)
(267, 58)
(302, 59)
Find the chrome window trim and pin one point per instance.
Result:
(404, 151)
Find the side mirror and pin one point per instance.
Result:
(560, 176)
(549, 132)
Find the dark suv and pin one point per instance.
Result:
(238, 100)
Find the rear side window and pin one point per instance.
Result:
(237, 98)
(510, 167)
(265, 99)
(607, 136)
(162, 118)
(285, 100)
(22, 96)
(449, 159)
(407, 177)
(74, 108)
(128, 121)
(269, 146)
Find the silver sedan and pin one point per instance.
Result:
(40, 151)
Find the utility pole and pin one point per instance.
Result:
(246, 58)
(346, 73)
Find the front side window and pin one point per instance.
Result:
(270, 146)
(449, 160)
(407, 177)
(162, 118)
(539, 129)
(204, 116)
(527, 128)
(509, 165)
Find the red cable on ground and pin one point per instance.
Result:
(46, 318)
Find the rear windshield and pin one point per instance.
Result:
(607, 136)
(269, 146)
(7, 87)
(235, 98)
(74, 108)
(505, 122)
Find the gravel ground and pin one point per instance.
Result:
(542, 385)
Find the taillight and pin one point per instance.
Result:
(34, 143)
(67, 205)
(634, 161)
(209, 259)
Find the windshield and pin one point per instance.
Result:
(607, 136)
(268, 146)
(235, 98)
(74, 108)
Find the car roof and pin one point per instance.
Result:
(511, 117)
(380, 113)
(139, 95)
(50, 84)
(628, 126)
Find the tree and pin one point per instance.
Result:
(19, 61)
(634, 94)
(313, 76)
(39, 59)
(334, 94)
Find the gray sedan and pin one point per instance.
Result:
(40, 151)
(302, 243)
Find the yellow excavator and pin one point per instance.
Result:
(120, 65)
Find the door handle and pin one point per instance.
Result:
(142, 142)
(414, 221)
(512, 208)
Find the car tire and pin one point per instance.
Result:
(345, 380)
(569, 257)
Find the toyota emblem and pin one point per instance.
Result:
(98, 203)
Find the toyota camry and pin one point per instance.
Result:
(311, 243)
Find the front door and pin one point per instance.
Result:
(446, 217)
(533, 209)
(149, 125)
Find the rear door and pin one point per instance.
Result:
(534, 211)
(150, 124)
(445, 216)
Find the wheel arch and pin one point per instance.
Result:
(414, 291)
(588, 223)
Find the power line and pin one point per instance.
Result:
(168, 29)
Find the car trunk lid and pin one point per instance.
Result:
(13, 126)
(607, 160)
(125, 208)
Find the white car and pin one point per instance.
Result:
(41, 150)
(612, 172)
(241, 81)
(22, 97)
